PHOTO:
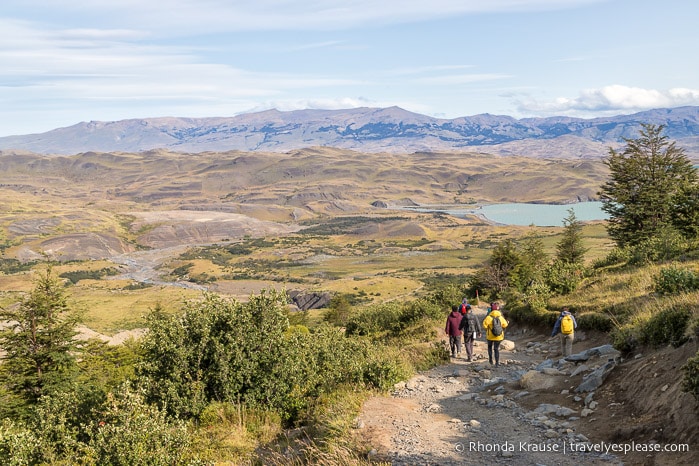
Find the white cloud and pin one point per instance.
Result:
(610, 99)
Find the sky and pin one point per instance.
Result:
(67, 61)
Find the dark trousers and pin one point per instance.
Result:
(468, 343)
(455, 344)
(494, 347)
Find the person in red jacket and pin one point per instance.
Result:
(452, 329)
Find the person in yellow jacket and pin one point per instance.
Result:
(495, 332)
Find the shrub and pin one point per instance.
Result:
(310, 365)
(18, 445)
(215, 350)
(666, 327)
(392, 318)
(121, 430)
(624, 338)
(667, 244)
(690, 380)
(595, 321)
(674, 280)
(131, 433)
(616, 256)
(564, 277)
(77, 275)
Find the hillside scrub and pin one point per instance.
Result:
(218, 380)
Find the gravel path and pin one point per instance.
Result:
(474, 413)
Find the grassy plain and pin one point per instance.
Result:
(315, 220)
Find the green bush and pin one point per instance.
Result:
(595, 321)
(564, 277)
(9, 266)
(675, 280)
(667, 244)
(666, 327)
(19, 446)
(119, 430)
(215, 350)
(624, 338)
(377, 319)
(690, 380)
(131, 433)
(77, 275)
(225, 351)
(388, 320)
(616, 256)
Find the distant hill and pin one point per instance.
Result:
(369, 130)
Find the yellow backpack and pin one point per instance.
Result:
(567, 326)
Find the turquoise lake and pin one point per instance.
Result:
(527, 214)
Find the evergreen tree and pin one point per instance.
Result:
(495, 277)
(569, 249)
(532, 262)
(652, 186)
(38, 343)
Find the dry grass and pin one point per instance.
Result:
(108, 311)
(43, 198)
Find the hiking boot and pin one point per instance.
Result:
(469, 359)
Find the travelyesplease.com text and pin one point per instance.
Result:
(571, 447)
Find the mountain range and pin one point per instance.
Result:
(370, 130)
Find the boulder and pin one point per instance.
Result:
(507, 345)
(594, 379)
(306, 301)
(598, 351)
(535, 380)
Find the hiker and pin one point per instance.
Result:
(495, 325)
(565, 326)
(472, 330)
(452, 329)
(462, 306)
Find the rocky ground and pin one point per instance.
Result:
(535, 409)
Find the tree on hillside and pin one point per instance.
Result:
(652, 186)
(533, 260)
(38, 342)
(570, 249)
(494, 278)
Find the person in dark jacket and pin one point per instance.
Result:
(452, 329)
(472, 330)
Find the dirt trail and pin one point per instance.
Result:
(475, 413)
